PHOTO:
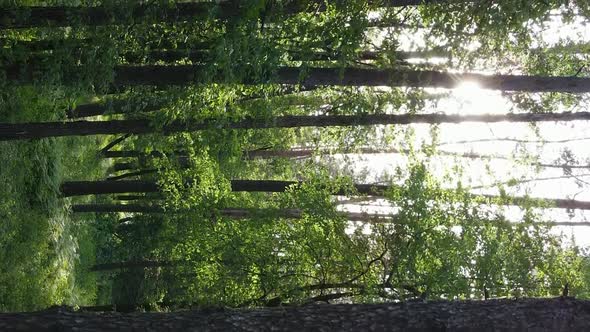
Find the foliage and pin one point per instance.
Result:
(437, 241)
(45, 250)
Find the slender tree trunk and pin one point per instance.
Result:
(115, 106)
(130, 265)
(162, 75)
(515, 140)
(53, 44)
(238, 213)
(132, 174)
(182, 75)
(122, 154)
(133, 198)
(125, 166)
(522, 181)
(113, 143)
(27, 17)
(202, 53)
(124, 220)
(379, 190)
(368, 55)
(557, 314)
(78, 188)
(235, 213)
(306, 153)
(121, 105)
(75, 188)
(14, 131)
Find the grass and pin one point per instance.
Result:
(44, 249)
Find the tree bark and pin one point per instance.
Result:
(78, 188)
(514, 140)
(75, 188)
(59, 16)
(305, 153)
(125, 166)
(37, 16)
(114, 106)
(238, 213)
(556, 314)
(171, 75)
(202, 53)
(188, 74)
(123, 154)
(132, 174)
(30, 130)
(134, 198)
(235, 213)
(130, 265)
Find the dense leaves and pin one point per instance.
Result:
(435, 240)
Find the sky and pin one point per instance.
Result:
(470, 99)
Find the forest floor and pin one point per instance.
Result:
(45, 250)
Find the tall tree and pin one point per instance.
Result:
(37, 16)
(240, 213)
(78, 188)
(13, 131)
(162, 75)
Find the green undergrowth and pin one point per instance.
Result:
(44, 249)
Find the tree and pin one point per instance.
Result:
(10, 131)
(559, 314)
(27, 17)
(78, 188)
(235, 213)
(239, 213)
(306, 153)
(131, 265)
(162, 75)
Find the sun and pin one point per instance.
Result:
(468, 90)
(470, 98)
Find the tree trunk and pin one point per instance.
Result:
(125, 166)
(202, 54)
(14, 131)
(235, 213)
(115, 106)
(122, 154)
(306, 153)
(133, 198)
(187, 74)
(557, 314)
(514, 140)
(130, 265)
(37, 16)
(167, 75)
(132, 174)
(78, 188)
(28, 17)
(238, 213)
